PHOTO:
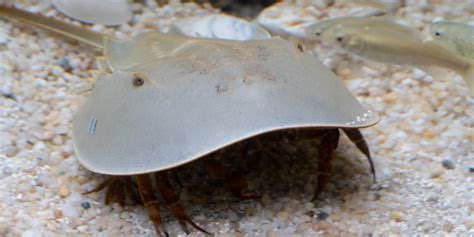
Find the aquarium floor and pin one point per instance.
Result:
(422, 148)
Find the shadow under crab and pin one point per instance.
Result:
(311, 144)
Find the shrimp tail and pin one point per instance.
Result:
(77, 33)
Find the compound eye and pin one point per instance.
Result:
(437, 33)
(340, 39)
(300, 47)
(318, 33)
(138, 79)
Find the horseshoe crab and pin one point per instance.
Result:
(163, 101)
(106, 12)
(220, 26)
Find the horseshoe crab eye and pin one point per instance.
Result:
(318, 33)
(300, 47)
(437, 33)
(340, 39)
(138, 79)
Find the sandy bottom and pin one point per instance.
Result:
(422, 148)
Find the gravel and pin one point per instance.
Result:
(448, 164)
(422, 147)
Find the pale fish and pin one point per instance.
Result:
(395, 47)
(457, 37)
(320, 30)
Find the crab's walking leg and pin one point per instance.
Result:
(111, 195)
(235, 183)
(121, 194)
(327, 146)
(118, 189)
(102, 185)
(149, 200)
(172, 201)
(129, 191)
(176, 178)
(356, 137)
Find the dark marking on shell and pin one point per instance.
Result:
(138, 79)
(221, 88)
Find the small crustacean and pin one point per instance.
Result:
(163, 101)
(457, 37)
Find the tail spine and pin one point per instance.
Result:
(86, 36)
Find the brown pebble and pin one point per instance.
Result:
(469, 224)
(336, 217)
(251, 211)
(390, 97)
(271, 233)
(282, 215)
(63, 191)
(437, 173)
(345, 72)
(58, 214)
(3, 229)
(316, 227)
(428, 135)
(448, 227)
(396, 216)
(324, 225)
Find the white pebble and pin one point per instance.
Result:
(418, 74)
(3, 38)
(36, 67)
(57, 70)
(29, 233)
(69, 211)
(9, 151)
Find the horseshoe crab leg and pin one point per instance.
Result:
(327, 147)
(172, 202)
(129, 190)
(101, 186)
(149, 200)
(112, 193)
(356, 137)
(118, 189)
(235, 183)
(121, 194)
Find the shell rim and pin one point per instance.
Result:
(370, 123)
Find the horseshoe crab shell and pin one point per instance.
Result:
(204, 96)
(105, 12)
(220, 26)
